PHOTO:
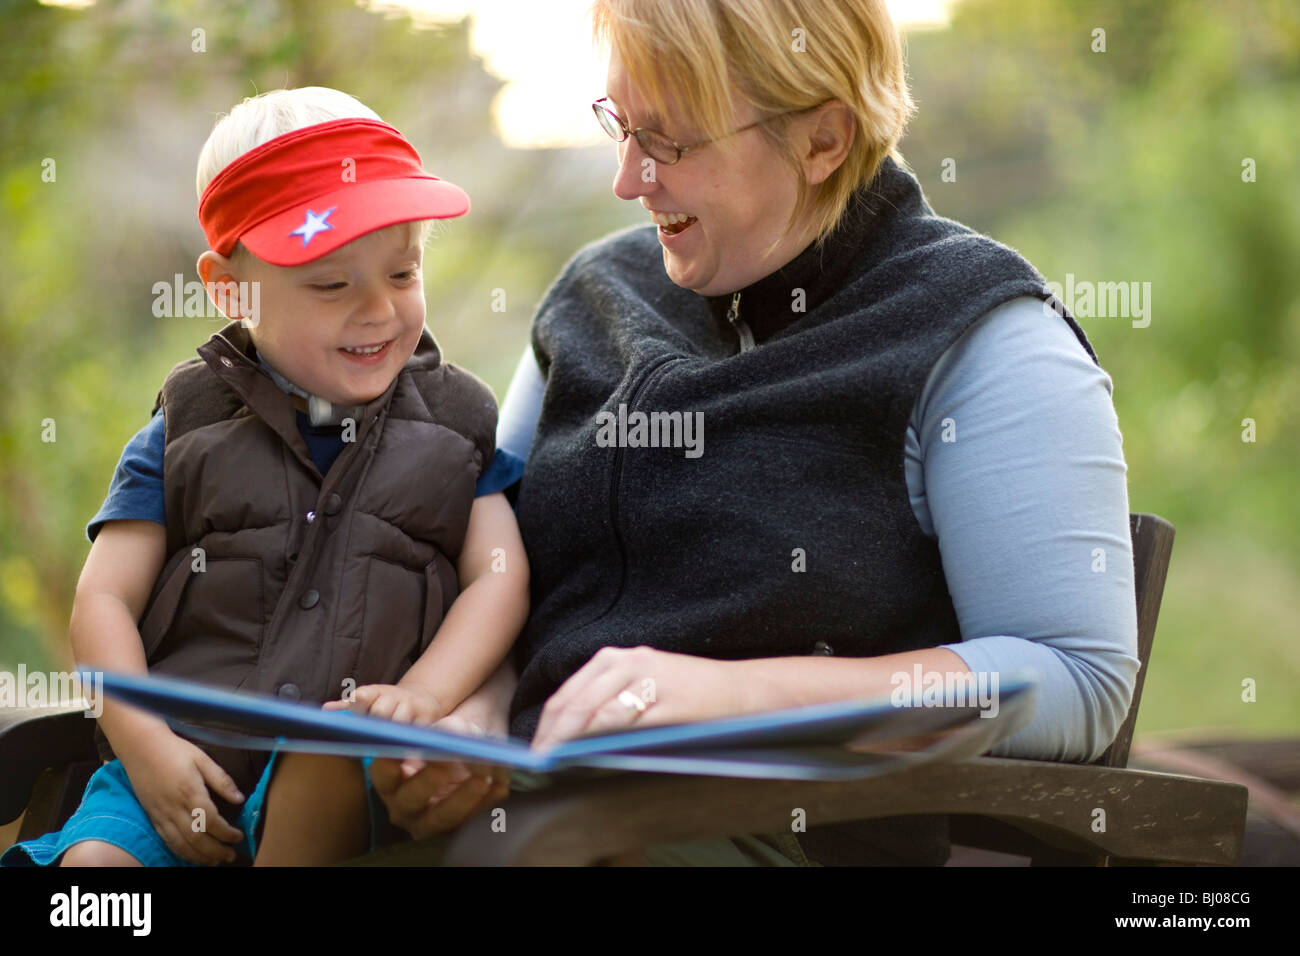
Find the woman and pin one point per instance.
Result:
(910, 460)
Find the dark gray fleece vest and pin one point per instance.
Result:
(786, 528)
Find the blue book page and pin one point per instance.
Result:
(802, 743)
(839, 722)
(261, 722)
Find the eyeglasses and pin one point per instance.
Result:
(654, 143)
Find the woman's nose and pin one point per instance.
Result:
(637, 175)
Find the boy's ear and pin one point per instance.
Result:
(222, 284)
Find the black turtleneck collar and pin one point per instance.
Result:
(768, 305)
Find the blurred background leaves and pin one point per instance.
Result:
(1123, 165)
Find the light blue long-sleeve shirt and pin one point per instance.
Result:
(1014, 465)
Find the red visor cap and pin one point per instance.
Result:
(287, 200)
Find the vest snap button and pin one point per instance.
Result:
(309, 599)
(822, 648)
(333, 503)
(289, 692)
(226, 362)
(311, 516)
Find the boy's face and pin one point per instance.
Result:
(343, 326)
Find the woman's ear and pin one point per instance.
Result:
(830, 131)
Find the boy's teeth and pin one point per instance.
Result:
(364, 350)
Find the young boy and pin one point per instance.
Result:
(297, 521)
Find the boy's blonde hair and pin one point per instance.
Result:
(781, 55)
(261, 118)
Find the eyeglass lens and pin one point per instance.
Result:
(654, 144)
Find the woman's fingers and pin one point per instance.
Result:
(569, 711)
(613, 716)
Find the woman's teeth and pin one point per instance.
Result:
(671, 222)
(365, 349)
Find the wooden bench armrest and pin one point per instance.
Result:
(34, 738)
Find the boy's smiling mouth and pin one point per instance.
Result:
(367, 353)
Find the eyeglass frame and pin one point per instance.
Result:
(629, 133)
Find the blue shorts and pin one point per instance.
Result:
(110, 812)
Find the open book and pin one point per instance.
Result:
(844, 740)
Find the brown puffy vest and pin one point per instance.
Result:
(308, 582)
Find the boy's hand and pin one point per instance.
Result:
(427, 798)
(391, 701)
(171, 778)
(457, 723)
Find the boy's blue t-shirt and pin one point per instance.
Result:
(136, 493)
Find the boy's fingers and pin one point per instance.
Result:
(462, 803)
(177, 837)
(358, 703)
(174, 843)
(210, 840)
(209, 849)
(492, 796)
(216, 777)
(219, 827)
(412, 795)
(384, 774)
(499, 778)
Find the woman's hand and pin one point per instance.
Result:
(674, 689)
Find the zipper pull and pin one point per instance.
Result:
(742, 330)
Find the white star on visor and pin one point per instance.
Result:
(314, 223)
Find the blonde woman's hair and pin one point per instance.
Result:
(781, 56)
(261, 118)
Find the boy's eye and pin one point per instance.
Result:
(408, 274)
(331, 287)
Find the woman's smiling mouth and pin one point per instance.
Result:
(672, 223)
